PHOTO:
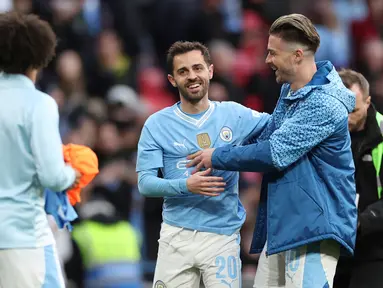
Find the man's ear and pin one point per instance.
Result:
(368, 101)
(298, 55)
(171, 80)
(211, 70)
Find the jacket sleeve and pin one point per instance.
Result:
(46, 147)
(309, 125)
(371, 218)
(253, 158)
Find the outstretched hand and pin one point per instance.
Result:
(201, 183)
(201, 159)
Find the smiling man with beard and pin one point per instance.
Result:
(307, 212)
(202, 214)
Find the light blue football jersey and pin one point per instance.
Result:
(170, 135)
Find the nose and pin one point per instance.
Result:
(192, 75)
(268, 59)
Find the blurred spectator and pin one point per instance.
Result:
(223, 55)
(153, 89)
(366, 128)
(23, 6)
(367, 28)
(208, 22)
(105, 248)
(112, 67)
(334, 40)
(169, 22)
(250, 71)
(83, 128)
(372, 66)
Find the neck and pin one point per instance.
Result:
(304, 75)
(362, 125)
(31, 74)
(195, 108)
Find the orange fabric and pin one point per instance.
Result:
(85, 161)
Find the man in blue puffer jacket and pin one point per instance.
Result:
(307, 213)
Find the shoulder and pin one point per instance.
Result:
(41, 102)
(157, 118)
(45, 99)
(323, 105)
(229, 106)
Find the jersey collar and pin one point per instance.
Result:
(196, 122)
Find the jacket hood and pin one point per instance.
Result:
(335, 85)
(327, 79)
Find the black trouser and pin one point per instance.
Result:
(352, 274)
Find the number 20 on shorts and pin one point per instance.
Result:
(226, 267)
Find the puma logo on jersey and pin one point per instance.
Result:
(182, 145)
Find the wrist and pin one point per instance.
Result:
(184, 185)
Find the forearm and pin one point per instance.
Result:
(47, 149)
(57, 179)
(52, 172)
(150, 185)
(253, 158)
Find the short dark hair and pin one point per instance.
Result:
(296, 28)
(350, 77)
(26, 42)
(182, 47)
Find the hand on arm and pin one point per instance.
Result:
(201, 183)
(201, 159)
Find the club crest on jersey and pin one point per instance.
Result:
(203, 140)
(159, 284)
(226, 134)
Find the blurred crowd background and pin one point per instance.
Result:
(109, 75)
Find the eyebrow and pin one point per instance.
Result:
(180, 69)
(193, 66)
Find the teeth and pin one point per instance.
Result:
(194, 86)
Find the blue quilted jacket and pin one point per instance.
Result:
(308, 189)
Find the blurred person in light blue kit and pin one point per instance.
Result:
(202, 213)
(31, 155)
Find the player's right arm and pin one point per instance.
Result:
(150, 185)
(150, 159)
(46, 147)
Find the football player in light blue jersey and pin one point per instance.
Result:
(202, 213)
(31, 156)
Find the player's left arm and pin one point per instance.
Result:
(309, 125)
(46, 146)
(251, 123)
